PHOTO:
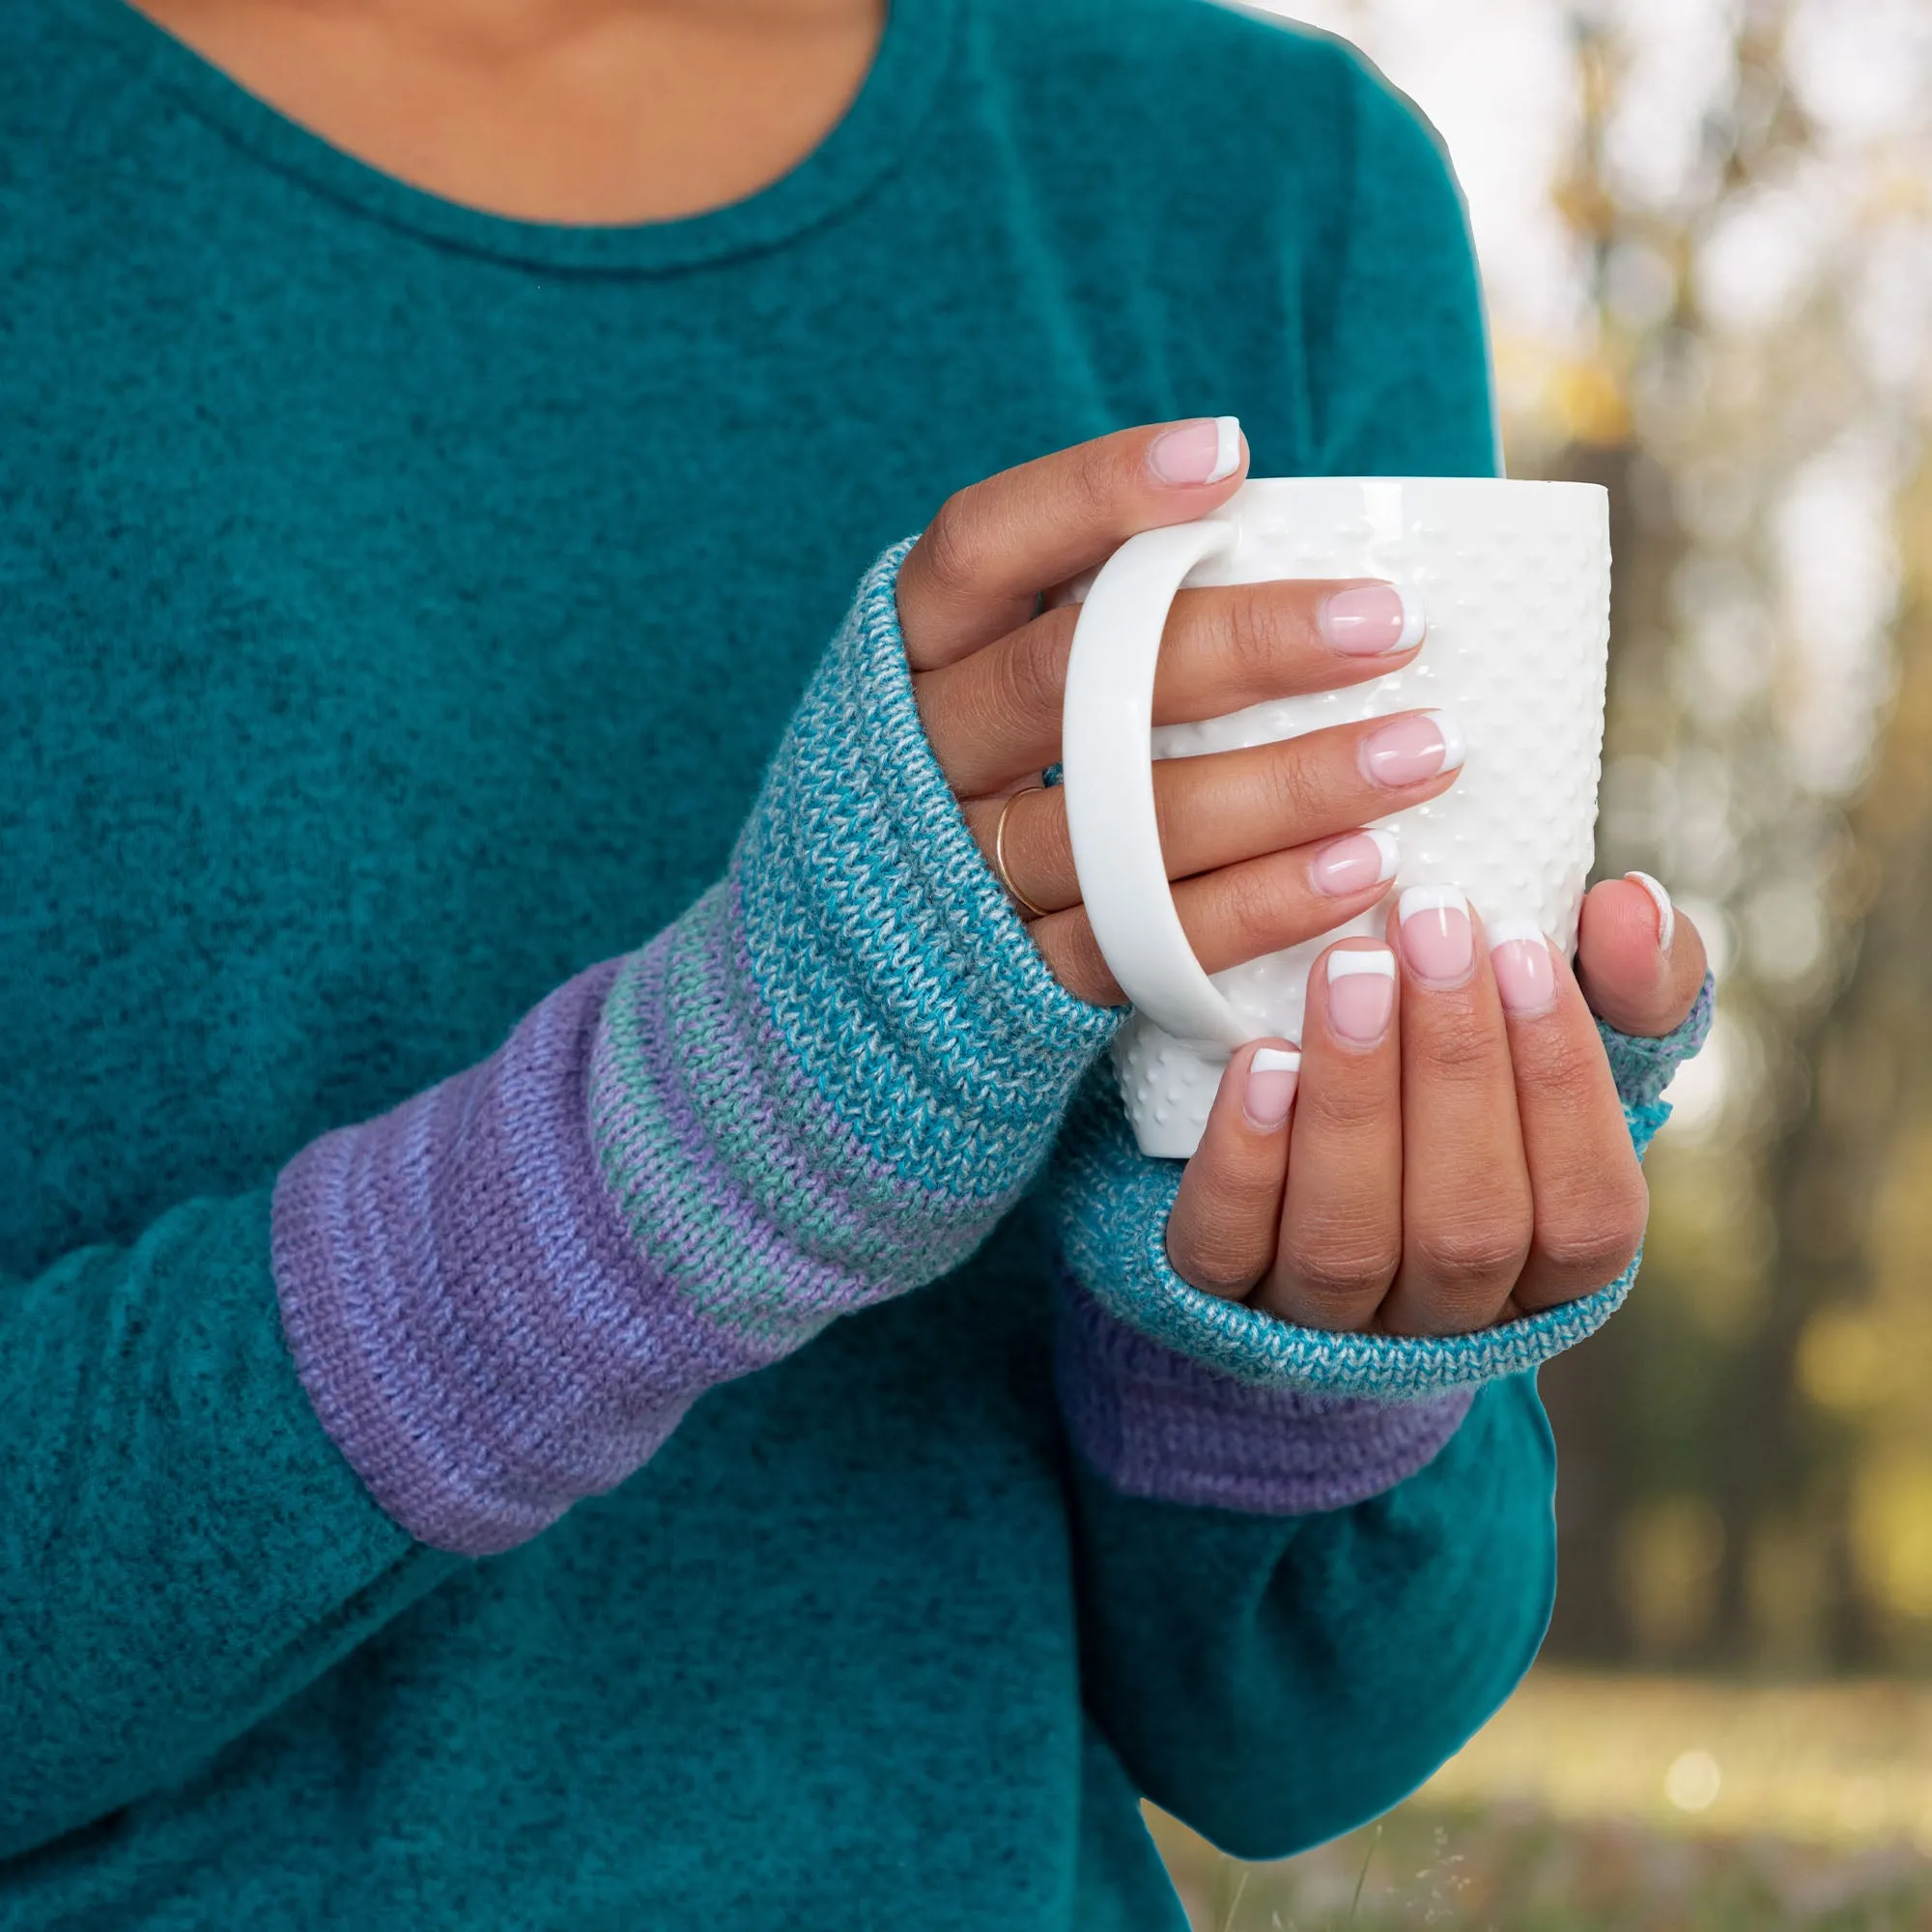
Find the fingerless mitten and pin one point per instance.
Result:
(822, 1086)
(1174, 1393)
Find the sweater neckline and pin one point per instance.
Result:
(866, 143)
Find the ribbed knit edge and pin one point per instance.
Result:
(992, 978)
(1644, 1067)
(1114, 1209)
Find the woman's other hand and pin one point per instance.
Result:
(1265, 847)
(1451, 1152)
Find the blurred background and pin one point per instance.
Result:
(1705, 229)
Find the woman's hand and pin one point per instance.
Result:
(1452, 1152)
(1264, 845)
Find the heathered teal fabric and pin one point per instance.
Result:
(399, 607)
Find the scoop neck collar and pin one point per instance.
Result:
(865, 144)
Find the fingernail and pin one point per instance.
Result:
(1406, 751)
(1666, 913)
(1270, 1093)
(1519, 955)
(1436, 936)
(1370, 620)
(1353, 863)
(1207, 450)
(1361, 994)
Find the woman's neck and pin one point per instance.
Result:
(552, 110)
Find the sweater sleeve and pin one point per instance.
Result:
(236, 1448)
(182, 1549)
(1273, 1680)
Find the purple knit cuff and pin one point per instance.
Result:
(1160, 1424)
(474, 1328)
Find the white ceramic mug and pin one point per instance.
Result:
(1514, 584)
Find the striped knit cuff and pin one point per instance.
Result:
(477, 1331)
(1160, 1424)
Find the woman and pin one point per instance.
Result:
(472, 1454)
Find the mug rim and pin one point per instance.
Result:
(1472, 483)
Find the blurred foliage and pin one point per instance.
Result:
(1740, 349)
(1517, 1871)
(1749, 1468)
(1622, 1803)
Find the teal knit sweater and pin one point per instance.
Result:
(536, 1211)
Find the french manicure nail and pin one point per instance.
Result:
(1207, 450)
(1666, 913)
(1370, 620)
(1354, 864)
(1519, 955)
(1409, 750)
(1361, 993)
(1273, 1074)
(1436, 936)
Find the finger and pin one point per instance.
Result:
(1640, 960)
(1220, 1235)
(1225, 807)
(1341, 1223)
(978, 571)
(1588, 1198)
(996, 714)
(1230, 916)
(1466, 1209)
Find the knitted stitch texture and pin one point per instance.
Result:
(851, 1046)
(1113, 1206)
(1160, 1424)
(821, 1087)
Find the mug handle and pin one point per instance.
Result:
(1107, 770)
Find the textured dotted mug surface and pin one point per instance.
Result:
(1514, 582)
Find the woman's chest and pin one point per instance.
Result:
(363, 681)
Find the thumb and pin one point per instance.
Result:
(980, 568)
(1639, 960)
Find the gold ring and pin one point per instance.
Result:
(1013, 893)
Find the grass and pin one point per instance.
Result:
(1615, 1804)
